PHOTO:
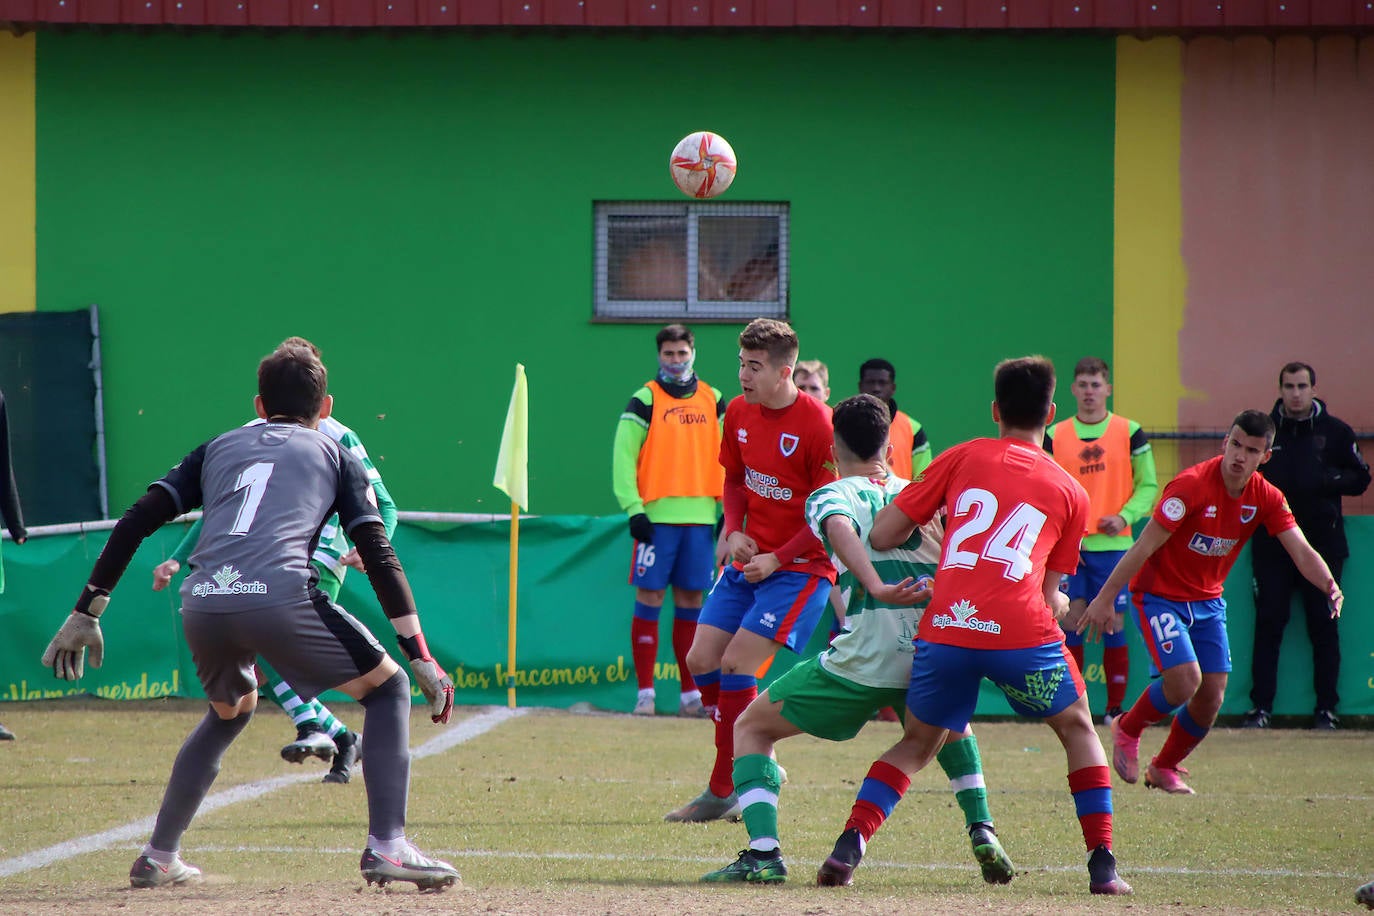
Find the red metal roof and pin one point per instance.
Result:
(1115, 15)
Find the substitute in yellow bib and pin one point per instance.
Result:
(668, 479)
(1111, 457)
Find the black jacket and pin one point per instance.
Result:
(1316, 461)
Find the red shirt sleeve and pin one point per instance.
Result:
(735, 503)
(1063, 556)
(921, 499)
(1277, 518)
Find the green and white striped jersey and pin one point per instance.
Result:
(876, 644)
(333, 545)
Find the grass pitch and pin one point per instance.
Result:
(551, 812)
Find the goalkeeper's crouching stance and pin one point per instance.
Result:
(266, 491)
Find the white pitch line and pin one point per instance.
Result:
(463, 731)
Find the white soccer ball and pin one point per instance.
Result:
(702, 165)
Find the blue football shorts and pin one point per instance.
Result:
(1180, 632)
(1038, 682)
(785, 607)
(683, 556)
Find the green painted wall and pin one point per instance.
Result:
(420, 205)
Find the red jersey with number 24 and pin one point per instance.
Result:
(1012, 513)
(1208, 528)
(780, 456)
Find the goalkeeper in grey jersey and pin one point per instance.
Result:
(267, 491)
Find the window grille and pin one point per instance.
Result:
(691, 260)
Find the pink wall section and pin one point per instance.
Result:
(1277, 178)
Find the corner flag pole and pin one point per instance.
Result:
(510, 618)
(512, 478)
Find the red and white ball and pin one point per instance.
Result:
(702, 165)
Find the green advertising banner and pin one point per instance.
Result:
(573, 620)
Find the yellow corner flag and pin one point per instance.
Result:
(512, 472)
(512, 478)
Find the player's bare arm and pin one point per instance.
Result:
(1101, 616)
(844, 541)
(891, 528)
(1313, 567)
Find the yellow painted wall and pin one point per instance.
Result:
(1150, 280)
(17, 208)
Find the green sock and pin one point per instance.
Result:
(964, 767)
(281, 693)
(332, 726)
(757, 783)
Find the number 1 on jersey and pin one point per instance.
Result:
(254, 480)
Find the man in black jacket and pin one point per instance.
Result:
(1315, 462)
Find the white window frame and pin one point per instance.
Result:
(606, 309)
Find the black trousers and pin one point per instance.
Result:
(1276, 578)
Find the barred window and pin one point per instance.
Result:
(697, 260)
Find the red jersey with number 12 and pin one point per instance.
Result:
(1208, 528)
(780, 456)
(1012, 513)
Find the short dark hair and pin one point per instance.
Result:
(292, 383)
(675, 332)
(776, 338)
(1090, 365)
(1255, 423)
(294, 341)
(1292, 367)
(861, 423)
(877, 364)
(1024, 389)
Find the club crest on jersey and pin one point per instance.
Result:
(788, 443)
(1167, 646)
(742, 435)
(1247, 514)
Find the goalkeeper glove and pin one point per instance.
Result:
(66, 653)
(434, 683)
(641, 528)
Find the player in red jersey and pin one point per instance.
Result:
(1012, 513)
(776, 449)
(1177, 570)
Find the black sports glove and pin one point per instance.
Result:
(641, 528)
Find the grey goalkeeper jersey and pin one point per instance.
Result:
(267, 491)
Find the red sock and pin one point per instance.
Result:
(644, 650)
(683, 633)
(1116, 665)
(879, 793)
(730, 707)
(1140, 716)
(1095, 784)
(1077, 653)
(1178, 745)
(710, 690)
